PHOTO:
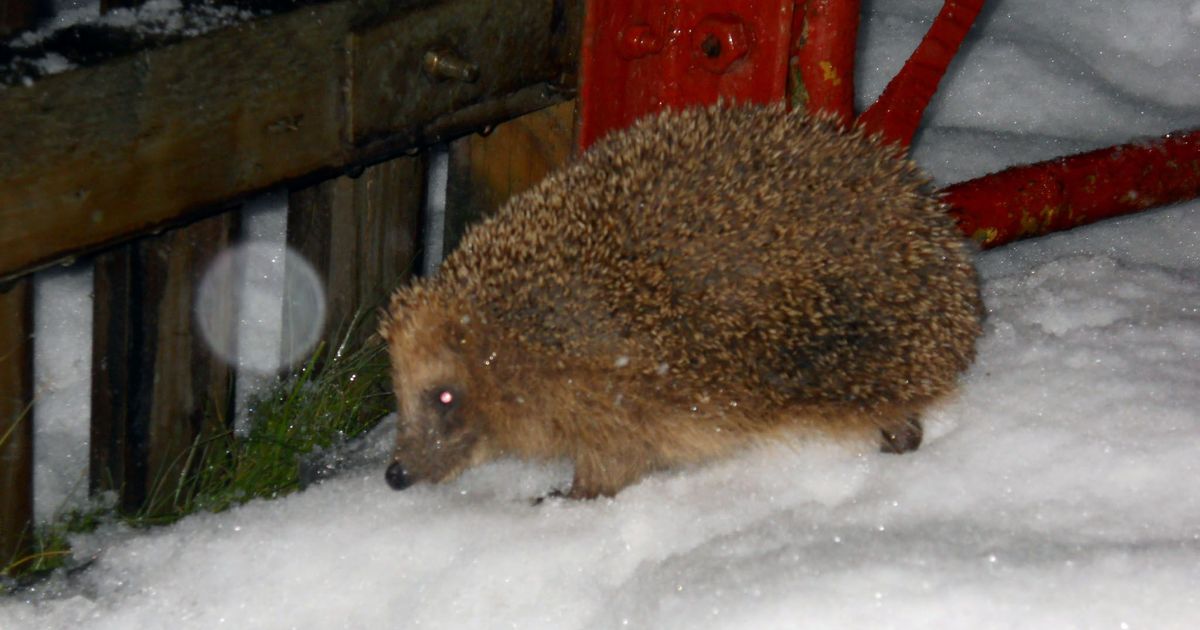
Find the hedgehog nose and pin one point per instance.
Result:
(396, 477)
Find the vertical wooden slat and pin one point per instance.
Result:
(486, 170)
(154, 380)
(360, 235)
(190, 384)
(114, 462)
(16, 428)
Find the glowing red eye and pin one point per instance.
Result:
(446, 397)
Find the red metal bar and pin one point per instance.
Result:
(640, 56)
(1065, 192)
(897, 113)
(822, 73)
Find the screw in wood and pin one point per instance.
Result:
(445, 65)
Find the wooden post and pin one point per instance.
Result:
(486, 170)
(16, 426)
(154, 382)
(114, 463)
(18, 15)
(360, 235)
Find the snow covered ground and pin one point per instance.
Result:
(1058, 490)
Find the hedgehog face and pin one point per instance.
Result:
(436, 439)
(438, 435)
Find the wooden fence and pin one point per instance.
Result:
(137, 164)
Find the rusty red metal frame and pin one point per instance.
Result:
(826, 33)
(640, 56)
(1065, 192)
(897, 112)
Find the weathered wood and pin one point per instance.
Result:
(91, 156)
(360, 235)
(17, 15)
(109, 5)
(16, 426)
(486, 170)
(155, 381)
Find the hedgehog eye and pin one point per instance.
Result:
(444, 398)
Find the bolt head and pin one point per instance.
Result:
(718, 40)
(637, 41)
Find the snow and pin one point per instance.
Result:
(62, 399)
(1057, 490)
(259, 260)
(434, 220)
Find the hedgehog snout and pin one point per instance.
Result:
(397, 477)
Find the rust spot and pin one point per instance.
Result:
(1049, 213)
(1038, 222)
(986, 235)
(829, 73)
(1029, 223)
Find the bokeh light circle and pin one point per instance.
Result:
(260, 307)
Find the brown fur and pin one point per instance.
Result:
(700, 281)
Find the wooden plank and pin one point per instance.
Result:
(360, 235)
(16, 426)
(109, 5)
(485, 170)
(155, 381)
(91, 156)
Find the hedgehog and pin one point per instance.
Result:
(705, 280)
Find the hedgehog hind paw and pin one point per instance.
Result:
(903, 436)
(604, 475)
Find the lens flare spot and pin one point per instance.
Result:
(260, 307)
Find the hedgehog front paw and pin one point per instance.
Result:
(553, 495)
(587, 487)
(903, 436)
